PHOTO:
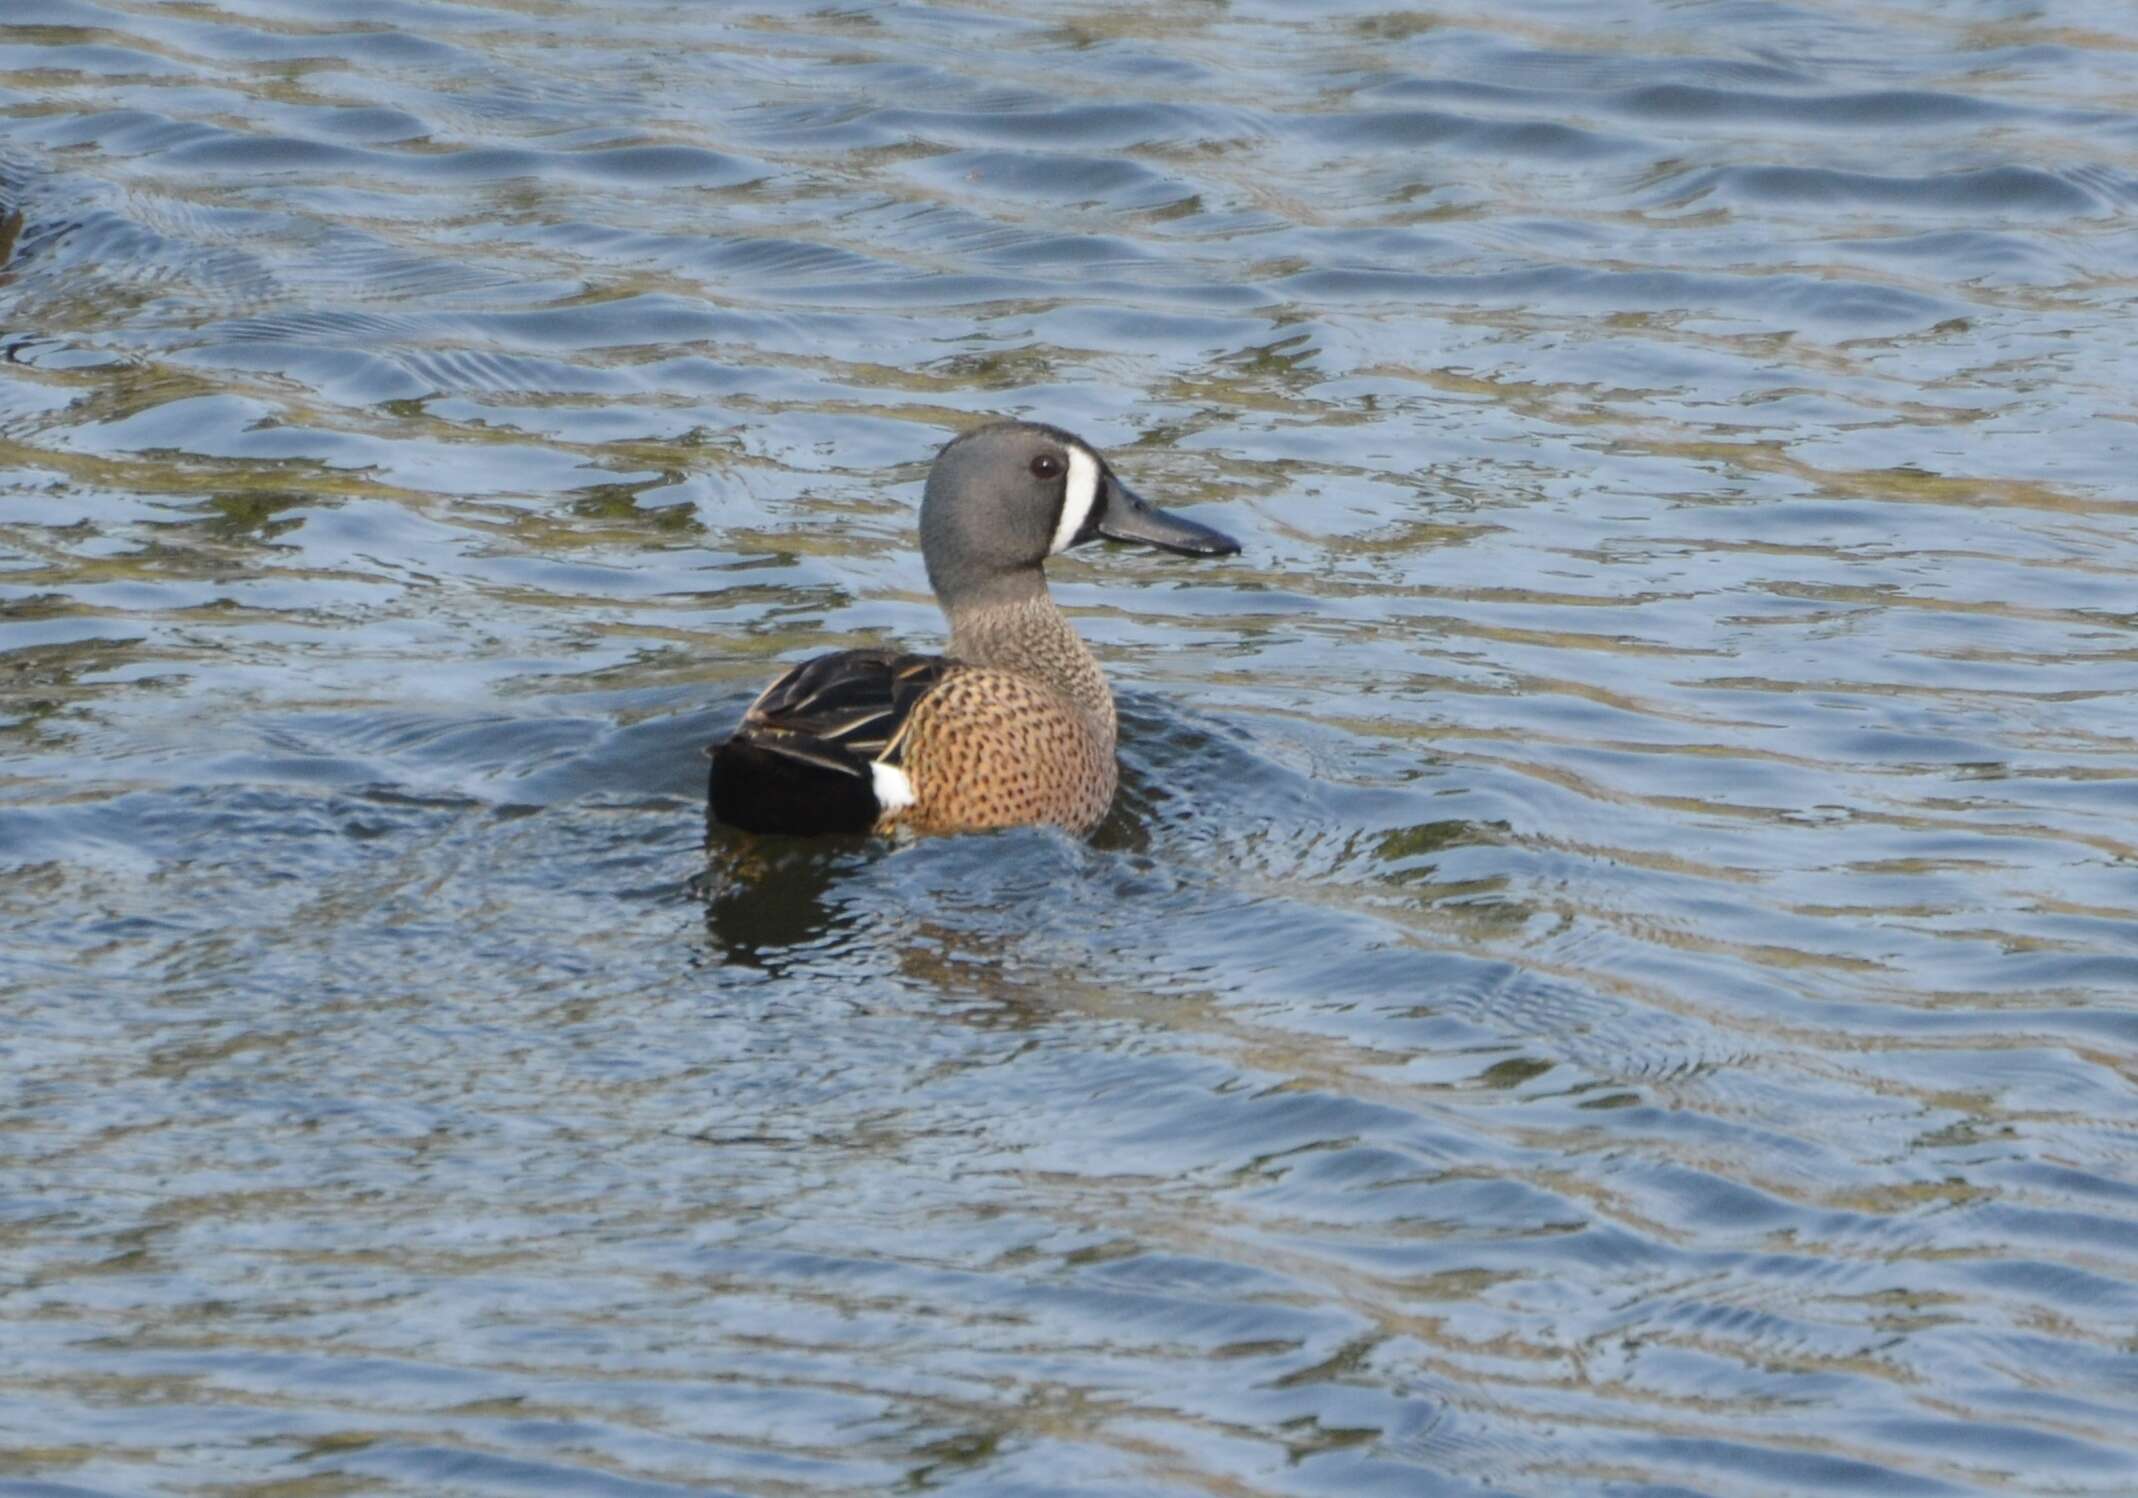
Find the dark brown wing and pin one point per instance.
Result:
(845, 708)
(799, 761)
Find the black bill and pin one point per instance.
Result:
(1124, 515)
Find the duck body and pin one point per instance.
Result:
(872, 741)
(1015, 724)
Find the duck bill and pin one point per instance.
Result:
(1128, 516)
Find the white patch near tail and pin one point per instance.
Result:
(894, 791)
(1079, 494)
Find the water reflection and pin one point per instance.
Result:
(770, 902)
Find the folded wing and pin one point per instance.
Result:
(801, 761)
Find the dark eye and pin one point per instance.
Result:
(1046, 466)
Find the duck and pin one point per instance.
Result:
(1014, 724)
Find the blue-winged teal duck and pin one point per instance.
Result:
(1015, 725)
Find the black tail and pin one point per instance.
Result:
(758, 790)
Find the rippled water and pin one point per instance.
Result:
(1613, 970)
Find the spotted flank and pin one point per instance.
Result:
(1015, 725)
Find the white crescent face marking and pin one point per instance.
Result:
(1080, 493)
(894, 788)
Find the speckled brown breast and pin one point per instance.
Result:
(988, 748)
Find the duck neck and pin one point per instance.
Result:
(1027, 634)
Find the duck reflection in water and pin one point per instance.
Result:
(770, 902)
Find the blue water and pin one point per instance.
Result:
(1615, 965)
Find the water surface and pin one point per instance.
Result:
(1613, 967)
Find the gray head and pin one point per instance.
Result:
(1003, 498)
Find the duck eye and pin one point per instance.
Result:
(1047, 466)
